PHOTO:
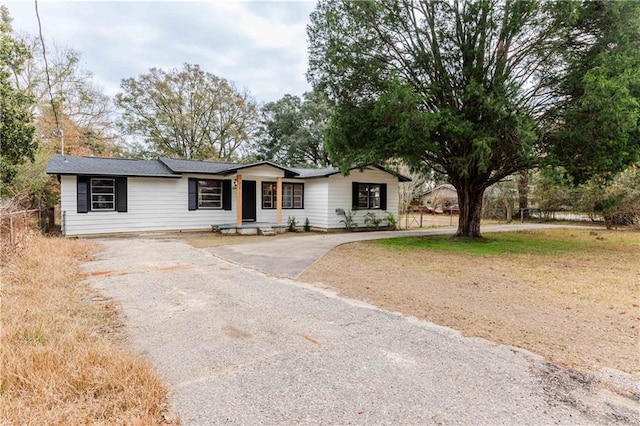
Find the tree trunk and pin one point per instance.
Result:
(506, 203)
(470, 204)
(507, 206)
(523, 191)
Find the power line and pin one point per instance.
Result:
(46, 71)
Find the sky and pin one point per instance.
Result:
(259, 45)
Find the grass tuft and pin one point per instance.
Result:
(538, 243)
(61, 359)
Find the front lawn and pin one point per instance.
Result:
(571, 295)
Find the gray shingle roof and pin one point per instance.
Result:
(168, 167)
(192, 166)
(328, 171)
(73, 165)
(262, 163)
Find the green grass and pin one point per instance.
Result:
(545, 242)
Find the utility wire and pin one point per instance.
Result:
(46, 71)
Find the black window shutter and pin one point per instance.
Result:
(83, 194)
(302, 185)
(193, 194)
(121, 194)
(354, 195)
(226, 195)
(383, 196)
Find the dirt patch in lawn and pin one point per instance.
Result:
(214, 239)
(569, 295)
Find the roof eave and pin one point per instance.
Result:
(262, 163)
(401, 178)
(68, 173)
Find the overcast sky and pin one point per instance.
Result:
(259, 45)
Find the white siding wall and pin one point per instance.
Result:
(316, 196)
(157, 204)
(340, 194)
(154, 204)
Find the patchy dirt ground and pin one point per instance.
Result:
(214, 239)
(578, 308)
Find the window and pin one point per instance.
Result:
(292, 195)
(209, 194)
(369, 196)
(103, 194)
(269, 195)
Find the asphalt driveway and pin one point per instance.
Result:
(239, 346)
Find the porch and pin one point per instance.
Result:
(250, 228)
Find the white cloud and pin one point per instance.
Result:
(264, 31)
(260, 46)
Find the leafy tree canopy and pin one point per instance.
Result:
(594, 129)
(188, 113)
(83, 112)
(61, 97)
(469, 88)
(292, 130)
(16, 128)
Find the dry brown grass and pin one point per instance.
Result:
(61, 357)
(573, 298)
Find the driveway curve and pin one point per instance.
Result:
(238, 346)
(290, 257)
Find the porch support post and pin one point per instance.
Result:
(239, 200)
(279, 200)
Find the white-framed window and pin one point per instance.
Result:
(103, 194)
(209, 194)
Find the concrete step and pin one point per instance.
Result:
(266, 231)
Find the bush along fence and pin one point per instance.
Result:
(14, 224)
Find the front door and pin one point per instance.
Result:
(248, 200)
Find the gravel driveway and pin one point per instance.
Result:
(242, 347)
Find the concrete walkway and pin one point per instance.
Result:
(290, 257)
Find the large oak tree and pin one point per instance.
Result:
(292, 130)
(188, 113)
(469, 88)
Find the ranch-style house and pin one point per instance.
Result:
(112, 195)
